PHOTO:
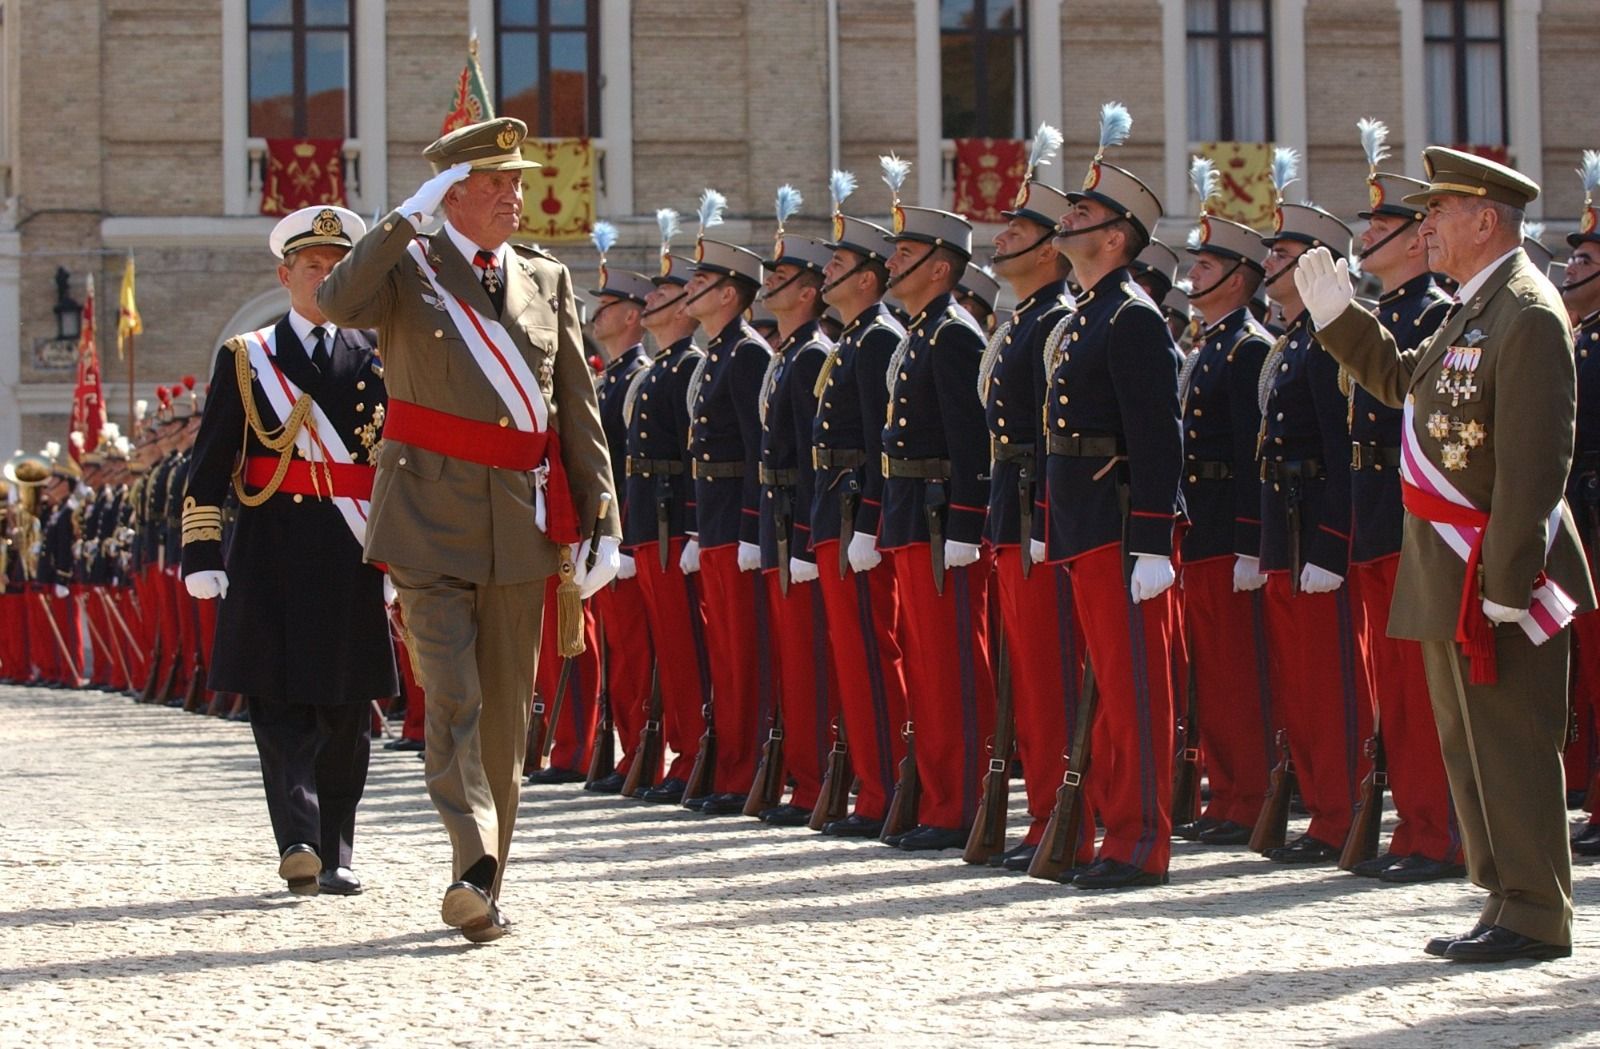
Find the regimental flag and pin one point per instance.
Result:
(558, 197)
(471, 103)
(302, 172)
(989, 172)
(1246, 196)
(129, 323)
(88, 403)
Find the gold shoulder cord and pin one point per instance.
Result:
(280, 439)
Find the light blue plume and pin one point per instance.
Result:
(1374, 138)
(988, 271)
(1533, 231)
(1194, 239)
(603, 236)
(1116, 123)
(712, 204)
(895, 171)
(1046, 143)
(840, 185)
(1205, 178)
(1589, 171)
(667, 220)
(789, 201)
(1285, 168)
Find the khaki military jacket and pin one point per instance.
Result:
(437, 514)
(1501, 434)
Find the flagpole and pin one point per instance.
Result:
(131, 428)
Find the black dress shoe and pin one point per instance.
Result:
(853, 826)
(668, 792)
(404, 744)
(785, 816)
(1375, 866)
(1192, 831)
(723, 805)
(1226, 832)
(1420, 868)
(1017, 859)
(1304, 849)
(469, 908)
(340, 881)
(1500, 944)
(298, 867)
(611, 784)
(1587, 842)
(1114, 874)
(554, 775)
(932, 839)
(1439, 944)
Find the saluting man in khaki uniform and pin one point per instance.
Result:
(493, 458)
(1491, 571)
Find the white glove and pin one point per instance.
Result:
(606, 564)
(1499, 613)
(1247, 574)
(389, 592)
(62, 591)
(1152, 574)
(1037, 551)
(802, 571)
(689, 560)
(1314, 580)
(1324, 285)
(628, 569)
(864, 556)
(426, 200)
(203, 586)
(959, 555)
(749, 556)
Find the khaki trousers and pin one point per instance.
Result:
(476, 649)
(1502, 748)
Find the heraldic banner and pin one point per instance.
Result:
(558, 196)
(302, 172)
(88, 400)
(989, 173)
(1246, 170)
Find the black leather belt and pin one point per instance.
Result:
(1305, 469)
(836, 458)
(1208, 470)
(1373, 456)
(704, 471)
(926, 469)
(1009, 453)
(778, 478)
(650, 467)
(1081, 446)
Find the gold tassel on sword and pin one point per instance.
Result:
(569, 602)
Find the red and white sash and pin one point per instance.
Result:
(497, 357)
(318, 440)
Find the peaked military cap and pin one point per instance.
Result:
(489, 145)
(862, 237)
(1454, 173)
(730, 260)
(943, 229)
(320, 225)
(1310, 225)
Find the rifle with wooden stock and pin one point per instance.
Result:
(1272, 826)
(833, 803)
(603, 752)
(766, 791)
(902, 815)
(988, 837)
(1186, 777)
(704, 771)
(1059, 846)
(1361, 844)
(646, 766)
(569, 613)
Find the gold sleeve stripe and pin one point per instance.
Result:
(201, 524)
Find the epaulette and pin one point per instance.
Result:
(888, 322)
(1135, 296)
(1062, 303)
(956, 314)
(692, 355)
(1250, 329)
(749, 334)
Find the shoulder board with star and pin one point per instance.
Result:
(956, 314)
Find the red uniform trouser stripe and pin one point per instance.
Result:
(106, 670)
(1227, 655)
(1321, 692)
(672, 607)
(625, 631)
(575, 723)
(799, 647)
(1417, 780)
(1130, 770)
(949, 685)
(1582, 755)
(736, 630)
(1046, 651)
(862, 609)
(42, 646)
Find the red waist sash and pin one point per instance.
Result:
(350, 480)
(1474, 632)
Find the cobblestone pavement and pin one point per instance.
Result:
(139, 906)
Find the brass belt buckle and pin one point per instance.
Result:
(885, 456)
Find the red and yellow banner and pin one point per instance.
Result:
(989, 173)
(471, 102)
(1246, 169)
(558, 197)
(302, 172)
(88, 403)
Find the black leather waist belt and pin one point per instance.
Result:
(926, 469)
(836, 458)
(1082, 447)
(1305, 469)
(712, 471)
(1211, 470)
(1373, 457)
(1009, 453)
(651, 467)
(779, 478)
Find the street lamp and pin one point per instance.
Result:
(69, 312)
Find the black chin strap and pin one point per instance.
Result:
(703, 292)
(1575, 285)
(1200, 293)
(857, 268)
(768, 293)
(1374, 249)
(1062, 234)
(614, 302)
(1007, 256)
(1276, 277)
(657, 309)
(914, 266)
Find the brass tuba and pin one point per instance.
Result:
(29, 473)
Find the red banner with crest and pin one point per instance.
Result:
(989, 173)
(302, 172)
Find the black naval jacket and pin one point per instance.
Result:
(611, 393)
(304, 619)
(854, 399)
(1305, 450)
(658, 432)
(1221, 420)
(934, 414)
(1013, 406)
(1583, 484)
(789, 406)
(55, 555)
(1410, 313)
(725, 434)
(1116, 383)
